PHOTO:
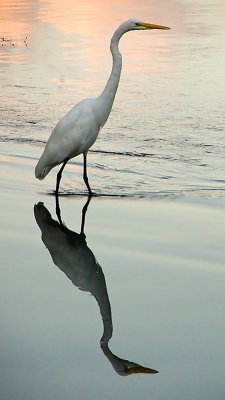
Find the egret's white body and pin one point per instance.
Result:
(77, 131)
(74, 134)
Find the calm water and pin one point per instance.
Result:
(156, 274)
(154, 266)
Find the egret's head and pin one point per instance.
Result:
(134, 24)
(131, 25)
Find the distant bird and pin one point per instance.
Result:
(77, 131)
(71, 254)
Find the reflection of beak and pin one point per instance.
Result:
(151, 26)
(138, 369)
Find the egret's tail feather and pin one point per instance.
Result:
(42, 170)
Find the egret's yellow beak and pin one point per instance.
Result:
(145, 25)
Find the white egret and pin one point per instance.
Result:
(77, 131)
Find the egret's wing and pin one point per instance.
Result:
(74, 134)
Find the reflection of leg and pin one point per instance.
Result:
(58, 212)
(59, 176)
(85, 177)
(84, 210)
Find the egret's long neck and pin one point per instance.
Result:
(108, 94)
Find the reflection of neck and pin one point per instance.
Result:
(113, 359)
(99, 291)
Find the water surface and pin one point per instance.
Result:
(144, 288)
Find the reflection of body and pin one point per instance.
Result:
(71, 254)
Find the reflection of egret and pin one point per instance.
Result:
(77, 131)
(71, 254)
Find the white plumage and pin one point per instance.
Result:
(74, 134)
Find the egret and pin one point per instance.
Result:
(77, 131)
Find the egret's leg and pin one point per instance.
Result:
(85, 177)
(59, 176)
